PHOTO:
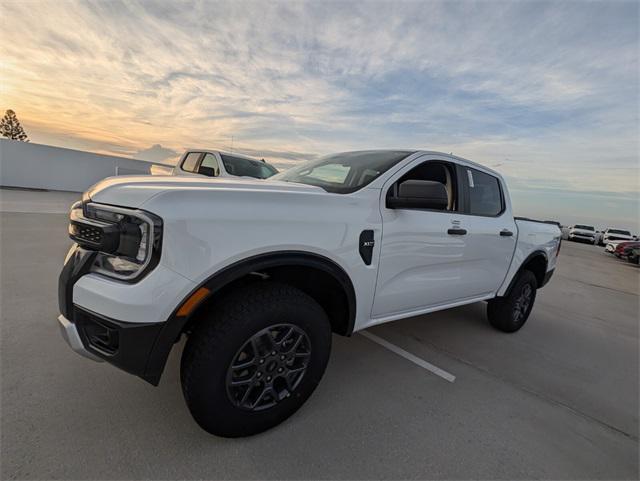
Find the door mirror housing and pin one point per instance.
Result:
(420, 194)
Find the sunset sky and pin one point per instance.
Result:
(544, 92)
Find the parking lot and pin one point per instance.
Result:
(559, 399)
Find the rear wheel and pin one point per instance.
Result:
(509, 313)
(256, 360)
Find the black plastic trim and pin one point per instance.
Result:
(520, 269)
(78, 264)
(547, 278)
(366, 245)
(171, 330)
(134, 340)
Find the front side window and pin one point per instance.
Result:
(209, 166)
(485, 196)
(434, 171)
(345, 172)
(190, 161)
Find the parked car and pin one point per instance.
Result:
(615, 235)
(610, 247)
(623, 249)
(215, 163)
(582, 233)
(257, 274)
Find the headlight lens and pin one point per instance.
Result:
(128, 241)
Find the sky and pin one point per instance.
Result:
(547, 93)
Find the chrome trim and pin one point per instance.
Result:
(70, 334)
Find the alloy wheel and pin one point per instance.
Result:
(268, 367)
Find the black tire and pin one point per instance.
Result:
(509, 313)
(258, 312)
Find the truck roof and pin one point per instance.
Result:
(213, 151)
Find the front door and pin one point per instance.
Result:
(422, 259)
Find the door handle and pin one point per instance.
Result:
(457, 232)
(506, 233)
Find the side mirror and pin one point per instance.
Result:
(420, 194)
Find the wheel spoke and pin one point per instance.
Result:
(244, 364)
(246, 395)
(286, 336)
(267, 389)
(268, 367)
(241, 382)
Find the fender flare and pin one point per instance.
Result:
(174, 326)
(534, 254)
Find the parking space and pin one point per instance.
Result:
(558, 399)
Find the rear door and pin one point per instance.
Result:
(491, 231)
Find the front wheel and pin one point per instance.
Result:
(509, 313)
(256, 360)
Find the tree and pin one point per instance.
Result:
(10, 127)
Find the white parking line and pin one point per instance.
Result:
(410, 357)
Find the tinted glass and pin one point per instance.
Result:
(209, 166)
(583, 227)
(617, 231)
(190, 161)
(346, 172)
(485, 197)
(247, 168)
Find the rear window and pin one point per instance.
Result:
(485, 196)
(247, 168)
(190, 161)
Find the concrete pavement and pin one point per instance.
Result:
(559, 399)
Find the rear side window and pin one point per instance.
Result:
(485, 196)
(190, 161)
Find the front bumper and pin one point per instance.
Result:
(580, 237)
(71, 335)
(139, 348)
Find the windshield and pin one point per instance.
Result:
(345, 172)
(617, 231)
(242, 167)
(583, 227)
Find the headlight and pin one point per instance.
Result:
(127, 241)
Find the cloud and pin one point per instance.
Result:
(157, 153)
(544, 90)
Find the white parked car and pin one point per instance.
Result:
(215, 163)
(258, 274)
(611, 235)
(582, 233)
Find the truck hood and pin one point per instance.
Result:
(134, 191)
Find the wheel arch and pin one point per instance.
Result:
(535, 262)
(318, 276)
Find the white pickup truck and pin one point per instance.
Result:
(216, 163)
(259, 273)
